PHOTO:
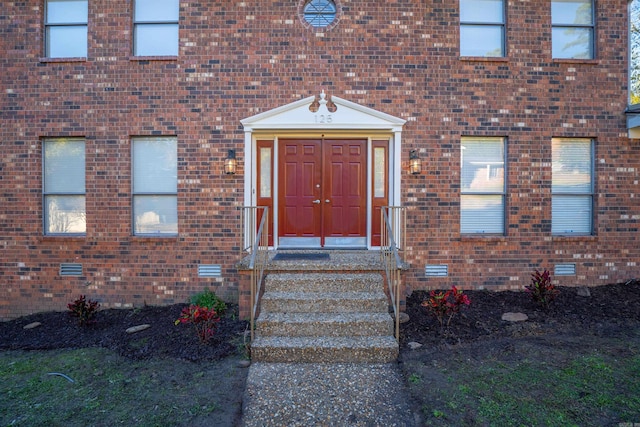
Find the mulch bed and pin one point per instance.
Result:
(616, 305)
(163, 339)
(609, 306)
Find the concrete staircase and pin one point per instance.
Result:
(324, 317)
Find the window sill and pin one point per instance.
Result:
(153, 58)
(153, 237)
(484, 58)
(480, 236)
(576, 61)
(58, 60)
(64, 237)
(573, 238)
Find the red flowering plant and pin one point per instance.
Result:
(541, 289)
(445, 305)
(203, 320)
(85, 310)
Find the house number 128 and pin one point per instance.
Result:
(323, 118)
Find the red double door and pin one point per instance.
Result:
(322, 193)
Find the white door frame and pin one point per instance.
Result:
(312, 118)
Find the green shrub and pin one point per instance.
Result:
(209, 299)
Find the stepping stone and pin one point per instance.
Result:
(515, 317)
(583, 291)
(32, 325)
(404, 317)
(134, 329)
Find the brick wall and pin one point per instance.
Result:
(241, 58)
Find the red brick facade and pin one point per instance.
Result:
(237, 59)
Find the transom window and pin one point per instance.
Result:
(156, 27)
(572, 186)
(66, 28)
(64, 186)
(155, 186)
(572, 29)
(482, 186)
(482, 30)
(320, 13)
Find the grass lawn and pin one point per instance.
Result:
(581, 388)
(104, 389)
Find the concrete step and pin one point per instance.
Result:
(375, 349)
(327, 317)
(324, 324)
(323, 282)
(324, 302)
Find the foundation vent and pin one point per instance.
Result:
(209, 270)
(565, 270)
(433, 270)
(70, 269)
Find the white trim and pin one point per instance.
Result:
(396, 168)
(369, 205)
(348, 120)
(298, 116)
(249, 183)
(275, 193)
(249, 176)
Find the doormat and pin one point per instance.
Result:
(300, 257)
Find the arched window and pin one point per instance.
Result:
(320, 13)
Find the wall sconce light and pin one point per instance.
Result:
(230, 163)
(415, 164)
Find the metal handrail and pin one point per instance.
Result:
(392, 223)
(258, 246)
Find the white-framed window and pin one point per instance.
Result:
(573, 29)
(572, 186)
(66, 28)
(482, 185)
(156, 27)
(63, 173)
(482, 28)
(155, 185)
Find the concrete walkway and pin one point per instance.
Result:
(325, 394)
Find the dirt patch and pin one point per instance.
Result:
(607, 321)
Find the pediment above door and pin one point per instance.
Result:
(321, 114)
(335, 121)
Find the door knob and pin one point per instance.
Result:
(327, 201)
(316, 202)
